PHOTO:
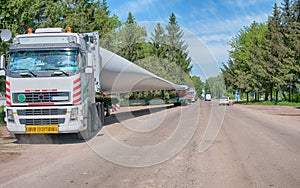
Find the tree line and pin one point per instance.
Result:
(165, 54)
(265, 57)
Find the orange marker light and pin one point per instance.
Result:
(69, 30)
(29, 31)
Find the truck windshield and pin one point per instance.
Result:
(35, 61)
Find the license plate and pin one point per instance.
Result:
(43, 129)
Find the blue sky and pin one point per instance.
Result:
(208, 25)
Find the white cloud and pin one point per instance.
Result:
(216, 25)
(224, 38)
(216, 33)
(138, 6)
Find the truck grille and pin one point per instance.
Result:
(37, 112)
(50, 121)
(38, 97)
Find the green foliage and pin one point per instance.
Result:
(82, 16)
(198, 84)
(271, 103)
(130, 39)
(215, 86)
(265, 57)
(176, 47)
(159, 42)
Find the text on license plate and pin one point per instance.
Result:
(43, 129)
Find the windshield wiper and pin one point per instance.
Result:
(59, 72)
(26, 73)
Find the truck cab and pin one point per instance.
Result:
(50, 83)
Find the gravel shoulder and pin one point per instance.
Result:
(275, 110)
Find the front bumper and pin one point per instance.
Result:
(44, 116)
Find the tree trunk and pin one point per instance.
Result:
(247, 97)
(276, 96)
(256, 96)
(266, 96)
(290, 93)
(271, 93)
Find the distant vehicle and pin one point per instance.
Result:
(225, 101)
(192, 95)
(208, 97)
(181, 97)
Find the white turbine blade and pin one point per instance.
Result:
(121, 75)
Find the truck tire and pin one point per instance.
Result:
(100, 112)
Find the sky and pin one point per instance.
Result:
(208, 25)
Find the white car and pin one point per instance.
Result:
(225, 101)
(208, 97)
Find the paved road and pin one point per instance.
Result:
(201, 145)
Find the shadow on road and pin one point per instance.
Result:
(73, 138)
(115, 118)
(49, 139)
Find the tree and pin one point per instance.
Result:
(245, 69)
(198, 84)
(265, 57)
(177, 48)
(277, 54)
(130, 38)
(159, 40)
(215, 86)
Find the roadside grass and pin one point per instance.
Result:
(270, 103)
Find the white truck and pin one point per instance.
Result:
(52, 77)
(193, 94)
(50, 83)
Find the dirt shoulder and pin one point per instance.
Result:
(274, 110)
(8, 150)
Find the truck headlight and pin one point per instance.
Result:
(74, 113)
(10, 115)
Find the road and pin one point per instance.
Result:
(200, 145)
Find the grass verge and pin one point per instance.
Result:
(271, 103)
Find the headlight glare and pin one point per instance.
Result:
(74, 113)
(10, 115)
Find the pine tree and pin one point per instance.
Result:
(131, 37)
(158, 41)
(177, 48)
(277, 65)
(295, 39)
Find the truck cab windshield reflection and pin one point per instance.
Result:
(43, 61)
